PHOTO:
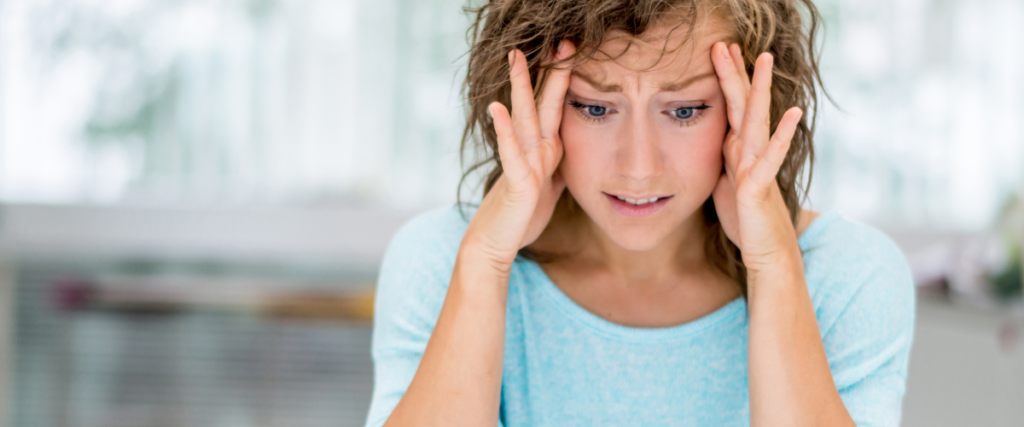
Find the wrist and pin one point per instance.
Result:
(781, 252)
(782, 264)
(477, 258)
(768, 236)
(780, 272)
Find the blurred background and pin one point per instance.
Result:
(195, 196)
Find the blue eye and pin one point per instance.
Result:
(683, 113)
(687, 116)
(592, 113)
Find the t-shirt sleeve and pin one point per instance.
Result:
(867, 325)
(411, 288)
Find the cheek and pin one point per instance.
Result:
(699, 157)
(586, 150)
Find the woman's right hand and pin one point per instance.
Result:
(517, 209)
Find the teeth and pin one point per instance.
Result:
(638, 201)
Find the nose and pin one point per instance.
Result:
(639, 157)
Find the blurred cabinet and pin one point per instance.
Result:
(134, 316)
(89, 352)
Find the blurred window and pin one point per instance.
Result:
(346, 101)
(930, 134)
(239, 100)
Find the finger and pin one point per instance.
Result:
(778, 146)
(733, 85)
(731, 152)
(725, 197)
(741, 67)
(553, 189)
(511, 155)
(524, 107)
(736, 54)
(756, 120)
(552, 99)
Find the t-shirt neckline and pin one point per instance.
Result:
(680, 331)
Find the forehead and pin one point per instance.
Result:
(663, 53)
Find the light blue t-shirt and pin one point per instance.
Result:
(565, 366)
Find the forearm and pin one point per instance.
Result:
(789, 377)
(458, 382)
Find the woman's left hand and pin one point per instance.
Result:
(747, 197)
(788, 372)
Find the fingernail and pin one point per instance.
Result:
(725, 49)
(511, 56)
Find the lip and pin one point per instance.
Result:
(629, 210)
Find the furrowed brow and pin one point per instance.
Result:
(596, 85)
(685, 83)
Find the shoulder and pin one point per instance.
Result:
(833, 235)
(847, 262)
(844, 248)
(422, 251)
(414, 275)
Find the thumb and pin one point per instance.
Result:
(724, 197)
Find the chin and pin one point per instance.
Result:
(638, 237)
(641, 234)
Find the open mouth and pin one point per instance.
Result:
(637, 208)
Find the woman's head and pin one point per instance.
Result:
(641, 124)
(644, 114)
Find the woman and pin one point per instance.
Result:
(640, 256)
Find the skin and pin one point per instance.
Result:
(641, 272)
(648, 272)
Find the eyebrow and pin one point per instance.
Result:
(596, 85)
(667, 87)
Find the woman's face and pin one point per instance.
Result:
(642, 127)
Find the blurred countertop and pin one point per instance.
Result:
(351, 237)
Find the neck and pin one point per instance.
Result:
(680, 252)
(577, 239)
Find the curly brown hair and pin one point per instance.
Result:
(785, 28)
